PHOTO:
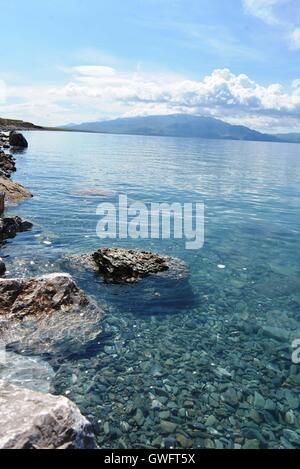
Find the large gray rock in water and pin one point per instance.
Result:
(16, 139)
(47, 314)
(9, 227)
(31, 420)
(121, 265)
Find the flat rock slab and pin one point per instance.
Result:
(32, 420)
(14, 192)
(119, 265)
(47, 314)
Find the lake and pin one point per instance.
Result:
(203, 362)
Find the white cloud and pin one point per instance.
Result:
(264, 9)
(295, 39)
(97, 92)
(284, 14)
(2, 91)
(95, 70)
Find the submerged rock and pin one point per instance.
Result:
(121, 265)
(16, 139)
(96, 192)
(28, 372)
(31, 420)
(9, 227)
(14, 192)
(47, 314)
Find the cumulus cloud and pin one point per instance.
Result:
(98, 92)
(218, 93)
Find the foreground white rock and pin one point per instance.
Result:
(29, 419)
(47, 314)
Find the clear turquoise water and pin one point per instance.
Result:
(170, 347)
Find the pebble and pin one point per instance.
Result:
(167, 426)
(184, 441)
(211, 421)
(259, 401)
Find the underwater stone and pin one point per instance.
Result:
(259, 401)
(167, 427)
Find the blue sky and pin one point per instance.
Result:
(71, 61)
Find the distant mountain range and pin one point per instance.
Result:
(180, 125)
(291, 138)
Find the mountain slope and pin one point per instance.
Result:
(176, 125)
(13, 124)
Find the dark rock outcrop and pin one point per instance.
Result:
(2, 267)
(16, 139)
(119, 265)
(32, 420)
(10, 226)
(47, 314)
(7, 164)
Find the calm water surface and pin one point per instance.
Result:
(204, 362)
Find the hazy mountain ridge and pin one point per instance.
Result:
(176, 125)
(290, 137)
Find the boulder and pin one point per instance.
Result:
(2, 267)
(7, 164)
(9, 227)
(14, 192)
(47, 314)
(119, 265)
(16, 139)
(32, 420)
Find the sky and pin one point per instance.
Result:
(68, 61)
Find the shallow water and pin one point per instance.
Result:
(197, 353)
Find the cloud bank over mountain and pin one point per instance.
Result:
(100, 92)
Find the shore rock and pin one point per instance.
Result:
(9, 227)
(16, 139)
(2, 267)
(14, 192)
(32, 420)
(7, 164)
(47, 314)
(119, 265)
